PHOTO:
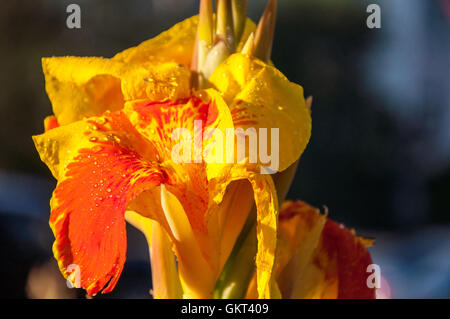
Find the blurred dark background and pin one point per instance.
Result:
(379, 156)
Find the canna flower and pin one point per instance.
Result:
(111, 143)
(318, 258)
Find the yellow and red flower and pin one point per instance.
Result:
(319, 258)
(109, 144)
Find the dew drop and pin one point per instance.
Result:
(101, 120)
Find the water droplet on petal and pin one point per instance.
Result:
(101, 120)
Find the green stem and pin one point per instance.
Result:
(240, 266)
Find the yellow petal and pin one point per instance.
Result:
(57, 147)
(147, 206)
(232, 213)
(174, 45)
(166, 284)
(266, 224)
(197, 278)
(144, 224)
(300, 234)
(85, 87)
(260, 96)
(165, 281)
(266, 233)
(81, 87)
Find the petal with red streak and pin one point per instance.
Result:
(94, 188)
(158, 120)
(261, 97)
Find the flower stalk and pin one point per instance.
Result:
(240, 266)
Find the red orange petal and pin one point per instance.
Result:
(352, 261)
(88, 208)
